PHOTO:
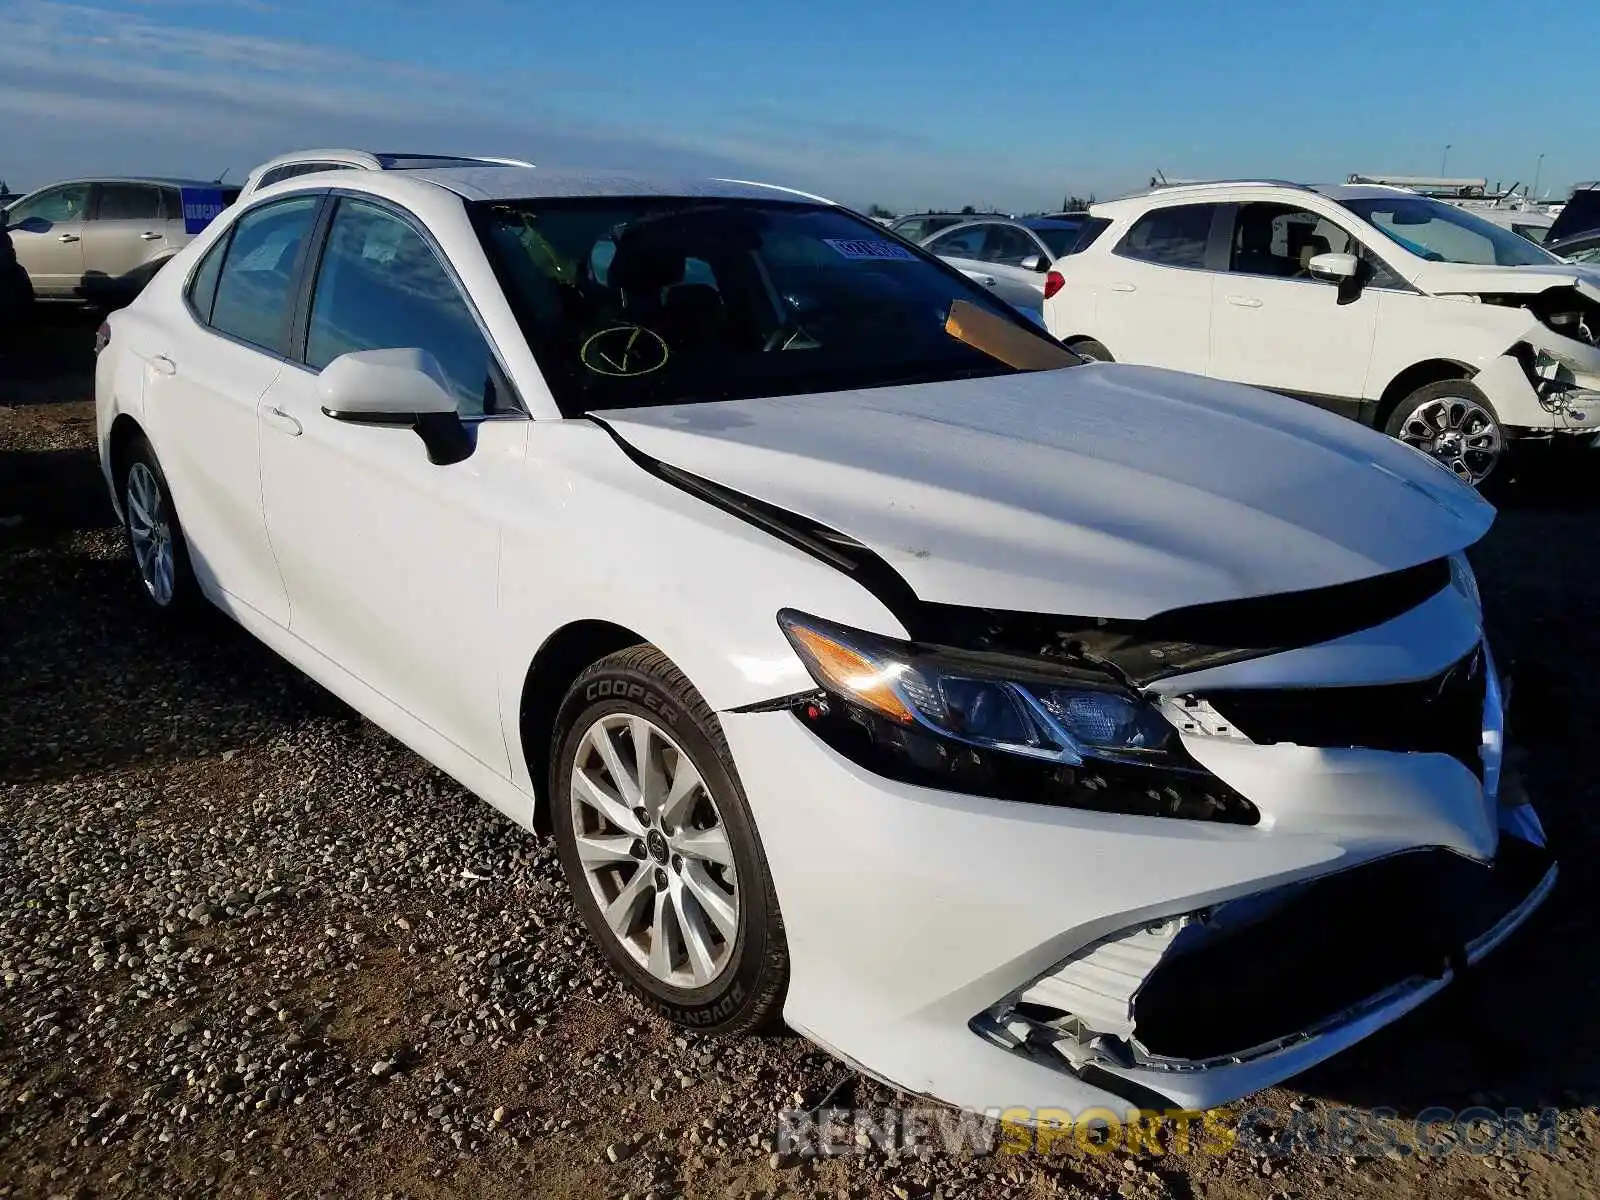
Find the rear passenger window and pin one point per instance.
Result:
(1172, 237)
(128, 202)
(202, 291)
(1088, 233)
(255, 292)
(381, 287)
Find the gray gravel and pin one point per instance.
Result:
(249, 945)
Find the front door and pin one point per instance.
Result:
(1275, 326)
(47, 233)
(392, 563)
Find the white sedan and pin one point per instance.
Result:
(1029, 732)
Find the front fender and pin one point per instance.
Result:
(603, 539)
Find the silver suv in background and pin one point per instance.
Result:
(101, 240)
(307, 162)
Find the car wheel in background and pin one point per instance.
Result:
(155, 536)
(659, 849)
(1453, 421)
(1090, 349)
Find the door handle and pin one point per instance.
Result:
(281, 421)
(1124, 287)
(67, 237)
(1244, 301)
(147, 236)
(164, 365)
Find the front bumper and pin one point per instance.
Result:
(915, 917)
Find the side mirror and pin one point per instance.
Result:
(32, 225)
(396, 387)
(1335, 268)
(1034, 262)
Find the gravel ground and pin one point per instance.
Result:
(250, 945)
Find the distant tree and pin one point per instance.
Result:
(967, 210)
(878, 210)
(1076, 203)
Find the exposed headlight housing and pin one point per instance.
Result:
(1000, 725)
(1464, 580)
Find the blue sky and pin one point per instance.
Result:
(932, 103)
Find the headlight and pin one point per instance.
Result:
(1017, 711)
(998, 725)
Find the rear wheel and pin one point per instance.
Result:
(1453, 422)
(1090, 349)
(155, 537)
(659, 848)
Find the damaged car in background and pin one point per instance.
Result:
(1413, 316)
(1026, 731)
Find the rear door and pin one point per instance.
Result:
(47, 234)
(202, 393)
(1155, 300)
(125, 231)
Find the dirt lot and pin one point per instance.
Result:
(251, 946)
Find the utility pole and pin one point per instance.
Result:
(1537, 171)
(1444, 163)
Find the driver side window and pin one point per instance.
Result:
(69, 202)
(1279, 241)
(966, 242)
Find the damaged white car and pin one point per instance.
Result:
(1026, 731)
(1459, 337)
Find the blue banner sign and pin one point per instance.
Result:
(200, 207)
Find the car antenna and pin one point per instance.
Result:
(223, 176)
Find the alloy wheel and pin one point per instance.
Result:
(150, 532)
(654, 850)
(1457, 431)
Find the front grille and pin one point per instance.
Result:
(1442, 715)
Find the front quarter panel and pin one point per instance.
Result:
(602, 539)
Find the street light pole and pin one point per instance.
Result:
(1444, 162)
(1537, 171)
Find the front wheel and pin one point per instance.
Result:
(1090, 349)
(1453, 422)
(658, 846)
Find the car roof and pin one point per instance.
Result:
(482, 182)
(1052, 222)
(156, 180)
(1220, 189)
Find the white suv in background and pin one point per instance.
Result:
(1418, 318)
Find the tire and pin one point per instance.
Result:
(1454, 422)
(695, 962)
(150, 525)
(1090, 349)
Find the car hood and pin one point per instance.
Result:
(1101, 490)
(1450, 279)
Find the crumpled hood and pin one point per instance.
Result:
(1451, 279)
(1102, 490)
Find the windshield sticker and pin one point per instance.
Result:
(623, 351)
(870, 249)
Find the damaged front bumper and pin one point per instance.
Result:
(998, 954)
(1548, 384)
(1202, 1007)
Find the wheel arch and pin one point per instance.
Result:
(1417, 375)
(564, 655)
(125, 432)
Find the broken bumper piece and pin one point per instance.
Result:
(1180, 1010)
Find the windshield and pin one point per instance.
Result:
(1443, 233)
(628, 302)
